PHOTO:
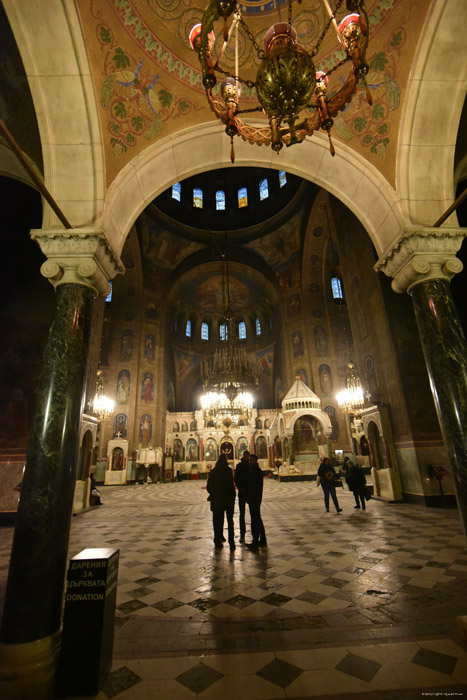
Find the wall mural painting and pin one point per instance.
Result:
(145, 429)
(331, 411)
(321, 343)
(325, 379)
(117, 459)
(185, 363)
(163, 249)
(314, 287)
(297, 344)
(193, 426)
(261, 448)
(123, 386)
(147, 387)
(151, 310)
(279, 247)
(277, 447)
(314, 260)
(279, 392)
(318, 231)
(371, 377)
(294, 306)
(176, 427)
(184, 427)
(149, 346)
(242, 446)
(126, 345)
(210, 450)
(267, 424)
(301, 374)
(191, 450)
(359, 306)
(120, 426)
(265, 358)
(289, 278)
(178, 451)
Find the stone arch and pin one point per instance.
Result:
(437, 86)
(322, 418)
(348, 176)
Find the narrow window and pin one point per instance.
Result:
(223, 331)
(198, 198)
(263, 189)
(282, 178)
(220, 200)
(242, 330)
(177, 191)
(108, 298)
(336, 286)
(242, 197)
(204, 331)
(258, 327)
(188, 329)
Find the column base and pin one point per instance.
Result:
(27, 671)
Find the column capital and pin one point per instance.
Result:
(78, 256)
(422, 254)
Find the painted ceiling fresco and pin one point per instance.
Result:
(205, 293)
(148, 83)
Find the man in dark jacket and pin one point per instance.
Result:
(254, 496)
(221, 489)
(326, 477)
(241, 478)
(357, 481)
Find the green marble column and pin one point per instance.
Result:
(445, 350)
(39, 554)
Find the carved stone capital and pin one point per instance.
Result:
(421, 255)
(78, 256)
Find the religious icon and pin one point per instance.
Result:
(147, 387)
(325, 379)
(120, 424)
(301, 374)
(117, 459)
(145, 429)
(123, 386)
(126, 345)
(261, 448)
(320, 340)
(297, 344)
(178, 451)
(191, 450)
(210, 452)
(331, 411)
(149, 346)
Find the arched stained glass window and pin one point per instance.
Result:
(242, 197)
(108, 298)
(223, 331)
(263, 189)
(242, 330)
(336, 286)
(282, 178)
(177, 191)
(198, 198)
(188, 329)
(258, 327)
(204, 331)
(220, 200)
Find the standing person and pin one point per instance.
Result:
(221, 489)
(326, 477)
(254, 496)
(241, 478)
(357, 482)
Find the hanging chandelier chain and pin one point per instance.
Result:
(332, 18)
(248, 83)
(259, 52)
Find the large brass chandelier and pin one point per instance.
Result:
(231, 377)
(287, 82)
(351, 399)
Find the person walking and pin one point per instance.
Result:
(326, 477)
(221, 489)
(254, 496)
(241, 478)
(357, 482)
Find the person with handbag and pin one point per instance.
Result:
(357, 481)
(326, 478)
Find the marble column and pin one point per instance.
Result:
(422, 264)
(79, 266)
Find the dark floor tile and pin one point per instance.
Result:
(310, 597)
(335, 582)
(280, 673)
(276, 599)
(168, 604)
(131, 606)
(120, 680)
(199, 678)
(359, 667)
(240, 601)
(147, 580)
(435, 660)
(203, 604)
(139, 592)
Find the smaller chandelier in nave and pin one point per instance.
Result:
(351, 398)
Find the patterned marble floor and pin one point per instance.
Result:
(350, 605)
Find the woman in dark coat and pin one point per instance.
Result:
(357, 481)
(221, 489)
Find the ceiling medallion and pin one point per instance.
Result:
(287, 82)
